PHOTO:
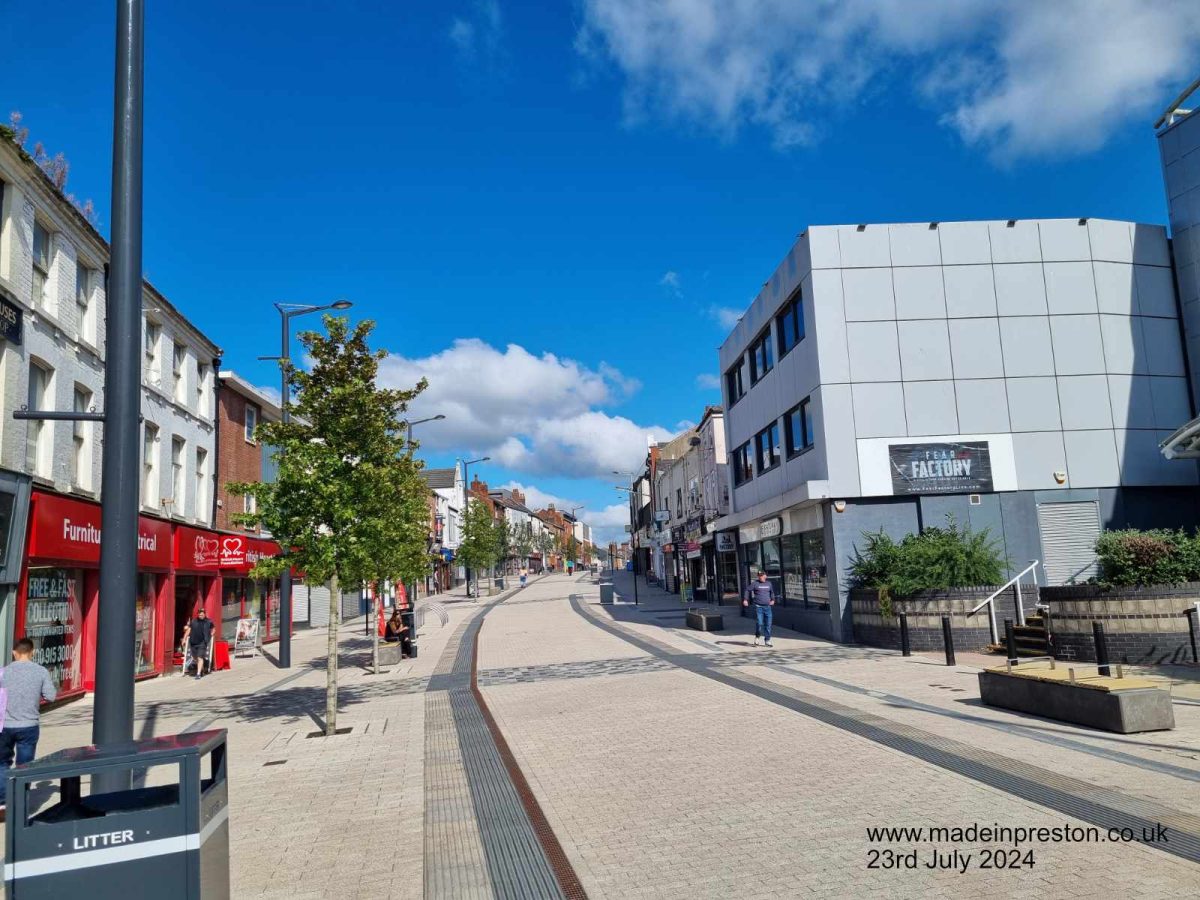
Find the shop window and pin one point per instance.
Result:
(54, 622)
(761, 359)
(789, 324)
(84, 285)
(178, 498)
(733, 384)
(816, 581)
(178, 367)
(772, 564)
(201, 483)
(743, 467)
(43, 250)
(799, 427)
(144, 615)
(82, 439)
(251, 422)
(150, 486)
(39, 437)
(767, 448)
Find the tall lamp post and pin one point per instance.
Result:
(632, 547)
(287, 312)
(574, 509)
(408, 440)
(467, 503)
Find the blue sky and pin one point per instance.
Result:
(595, 183)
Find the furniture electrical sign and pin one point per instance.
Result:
(962, 468)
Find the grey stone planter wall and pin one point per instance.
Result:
(925, 610)
(1143, 625)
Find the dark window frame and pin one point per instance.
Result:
(734, 374)
(795, 306)
(809, 439)
(743, 465)
(776, 449)
(763, 342)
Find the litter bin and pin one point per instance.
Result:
(606, 592)
(162, 832)
(409, 646)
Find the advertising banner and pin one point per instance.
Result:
(53, 621)
(959, 468)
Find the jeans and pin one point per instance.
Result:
(763, 621)
(24, 742)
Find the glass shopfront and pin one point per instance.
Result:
(795, 565)
(247, 598)
(54, 622)
(144, 616)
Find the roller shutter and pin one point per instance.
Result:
(1069, 532)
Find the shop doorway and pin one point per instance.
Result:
(187, 598)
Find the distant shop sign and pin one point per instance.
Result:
(11, 322)
(725, 542)
(952, 468)
(770, 528)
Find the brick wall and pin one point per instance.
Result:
(1143, 625)
(237, 458)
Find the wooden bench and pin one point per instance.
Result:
(1122, 705)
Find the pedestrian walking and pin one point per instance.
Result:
(524, 575)
(26, 684)
(762, 594)
(198, 636)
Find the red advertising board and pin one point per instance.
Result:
(61, 528)
(196, 550)
(233, 551)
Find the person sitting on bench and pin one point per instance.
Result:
(395, 630)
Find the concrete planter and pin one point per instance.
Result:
(925, 610)
(1144, 625)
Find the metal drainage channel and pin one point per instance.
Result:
(1090, 803)
(485, 835)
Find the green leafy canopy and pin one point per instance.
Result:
(347, 498)
(947, 557)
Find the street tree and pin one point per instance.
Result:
(477, 547)
(347, 501)
(522, 542)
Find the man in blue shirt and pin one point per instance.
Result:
(762, 594)
(26, 685)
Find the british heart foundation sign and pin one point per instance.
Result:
(961, 468)
(196, 549)
(233, 551)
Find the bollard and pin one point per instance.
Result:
(905, 646)
(1101, 649)
(948, 640)
(1191, 614)
(1010, 639)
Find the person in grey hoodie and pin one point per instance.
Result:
(27, 684)
(762, 594)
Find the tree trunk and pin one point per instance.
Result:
(375, 630)
(335, 612)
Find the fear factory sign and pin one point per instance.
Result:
(940, 468)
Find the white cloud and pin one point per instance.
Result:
(671, 282)
(707, 381)
(271, 393)
(726, 316)
(536, 414)
(607, 524)
(1018, 77)
(478, 36)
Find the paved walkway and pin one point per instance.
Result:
(544, 745)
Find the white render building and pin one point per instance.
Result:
(1017, 374)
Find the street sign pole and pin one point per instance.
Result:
(113, 715)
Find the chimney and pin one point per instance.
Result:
(518, 496)
(478, 487)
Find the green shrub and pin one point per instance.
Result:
(1158, 556)
(936, 558)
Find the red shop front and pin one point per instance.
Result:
(58, 599)
(196, 578)
(244, 597)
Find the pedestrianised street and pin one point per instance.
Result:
(543, 744)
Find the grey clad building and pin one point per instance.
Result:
(1019, 375)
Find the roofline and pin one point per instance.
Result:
(1168, 116)
(246, 389)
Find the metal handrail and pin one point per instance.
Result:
(990, 602)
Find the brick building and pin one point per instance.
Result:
(240, 456)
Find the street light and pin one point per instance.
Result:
(436, 418)
(467, 506)
(287, 312)
(632, 530)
